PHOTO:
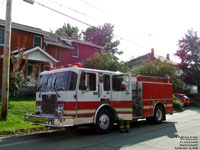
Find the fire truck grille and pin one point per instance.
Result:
(49, 104)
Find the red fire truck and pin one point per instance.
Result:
(75, 96)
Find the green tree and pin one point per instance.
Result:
(105, 63)
(161, 69)
(103, 36)
(189, 53)
(68, 31)
(17, 75)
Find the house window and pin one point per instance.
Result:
(75, 52)
(1, 36)
(46, 68)
(96, 50)
(29, 70)
(37, 41)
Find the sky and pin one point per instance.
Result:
(139, 24)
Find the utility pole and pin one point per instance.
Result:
(6, 62)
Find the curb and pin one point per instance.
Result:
(24, 131)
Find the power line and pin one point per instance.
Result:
(140, 45)
(63, 14)
(87, 24)
(74, 10)
(91, 5)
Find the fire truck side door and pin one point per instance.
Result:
(87, 94)
(105, 88)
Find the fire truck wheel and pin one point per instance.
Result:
(104, 121)
(158, 114)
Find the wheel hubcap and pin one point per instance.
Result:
(159, 115)
(104, 121)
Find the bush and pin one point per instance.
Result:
(178, 105)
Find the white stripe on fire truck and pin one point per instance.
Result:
(79, 111)
(157, 99)
(147, 107)
(150, 107)
(123, 109)
(168, 105)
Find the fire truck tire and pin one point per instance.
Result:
(158, 115)
(104, 121)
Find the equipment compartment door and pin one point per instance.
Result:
(121, 96)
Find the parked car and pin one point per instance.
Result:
(185, 100)
(195, 97)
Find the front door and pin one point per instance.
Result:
(87, 94)
(105, 88)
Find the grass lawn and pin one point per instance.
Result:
(17, 108)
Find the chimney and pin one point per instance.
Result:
(167, 57)
(152, 52)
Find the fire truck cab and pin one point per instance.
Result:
(75, 96)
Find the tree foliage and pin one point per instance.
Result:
(17, 75)
(105, 63)
(68, 31)
(189, 53)
(103, 36)
(161, 69)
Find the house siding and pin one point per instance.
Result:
(17, 38)
(65, 57)
(62, 54)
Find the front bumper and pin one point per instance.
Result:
(50, 120)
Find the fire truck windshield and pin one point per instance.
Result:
(45, 83)
(62, 81)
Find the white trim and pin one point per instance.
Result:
(157, 99)
(155, 82)
(87, 43)
(168, 105)
(34, 49)
(58, 44)
(68, 41)
(147, 107)
(123, 109)
(42, 51)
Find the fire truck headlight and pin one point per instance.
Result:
(60, 110)
(38, 107)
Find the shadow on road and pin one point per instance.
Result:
(86, 137)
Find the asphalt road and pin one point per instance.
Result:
(180, 131)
